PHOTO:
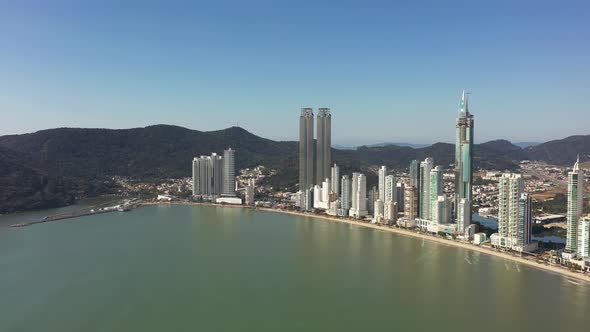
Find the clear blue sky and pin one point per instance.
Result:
(389, 70)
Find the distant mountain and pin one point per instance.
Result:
(377, 145)
(53, 167)
(526, 144)
(561, 152)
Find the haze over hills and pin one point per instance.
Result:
(52, 167)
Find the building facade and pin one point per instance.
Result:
(229, 172)
(464, 154)
(335, 179)
(436, 190)
(410, 203)
(425, 168)
(306, 150)
(575, 204)
(359, 196)
(324, 144)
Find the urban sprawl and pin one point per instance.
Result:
(427, 198)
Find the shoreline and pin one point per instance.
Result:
(404, 232)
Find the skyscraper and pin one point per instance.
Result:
(207, 175)
(584, 237)
(464, 154)
(324, 143)
(524, 228)
(346, 197)
(306, 149)
(514, 215)
(414, 173)
(335, 178)
(359, 196)
(390, 189)
(575, 204)
(410, 203)
(511, 187)
(381, 185)
(440, 210)
(217, 167)
(400, 190)
(436, 190)
(463, 213)
(229, 172)
(250, 192)
(425, 168)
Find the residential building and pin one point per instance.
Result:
(335, 179)
(381, 186)
(463, 214)
(436, 190)
(584, 237)
(250, 192)
(359, 196)
(306, 150)
(324, 144)
(410, 203)
(229, 172)
(575, 204)
(425, 168)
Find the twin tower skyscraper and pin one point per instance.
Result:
(314, 161)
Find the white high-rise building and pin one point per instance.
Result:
(335, 178)
(514, 214)
(250, 192)
(229, 172)
(359, 196)
(511, 186)
(436, 190)
(321, 195)
(379, 212)
(390, 211)
(584, 237)
(381, 185)
(575, 204)
(390, 189)
(425, 168)
(463, 214)
(441, 210)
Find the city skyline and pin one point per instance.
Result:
(167, 63)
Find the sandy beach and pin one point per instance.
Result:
(532, 263)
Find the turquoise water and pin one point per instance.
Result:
(199, 268)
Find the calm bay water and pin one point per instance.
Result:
(198, 268)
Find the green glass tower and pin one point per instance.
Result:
(463, 154)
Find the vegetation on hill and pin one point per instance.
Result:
(55, 166)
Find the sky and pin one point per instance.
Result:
(391, 71)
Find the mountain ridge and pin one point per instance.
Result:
(72, 162)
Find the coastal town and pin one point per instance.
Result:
(525, 213)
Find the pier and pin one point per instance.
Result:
(118, 208)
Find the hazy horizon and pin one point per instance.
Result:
(389, 72)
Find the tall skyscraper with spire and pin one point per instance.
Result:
(306, 149)
(463, 154)
(324, 143)
(575, 204)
